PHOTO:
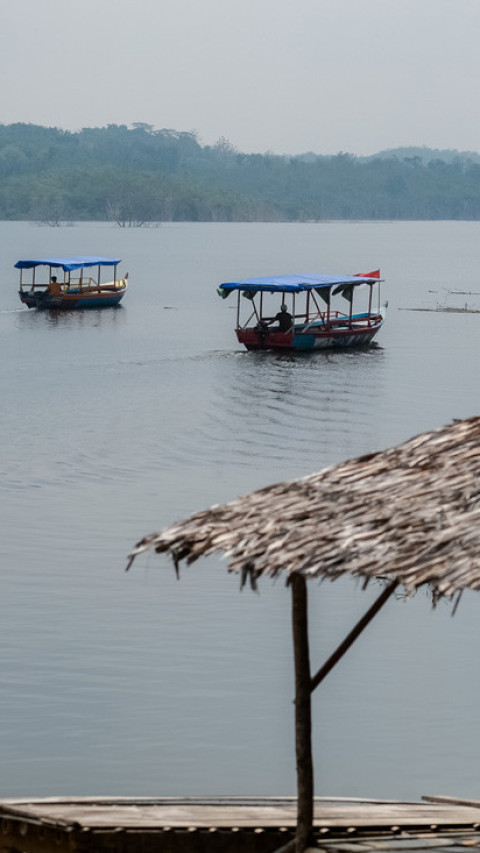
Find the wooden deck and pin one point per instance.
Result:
(169, 825)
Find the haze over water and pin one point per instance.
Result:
(118, 422)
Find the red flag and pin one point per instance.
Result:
(374, 274)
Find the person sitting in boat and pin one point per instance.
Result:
(284, 319)
(54, 288)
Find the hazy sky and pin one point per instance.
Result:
(286, 76)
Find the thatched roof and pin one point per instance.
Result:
(410, 513)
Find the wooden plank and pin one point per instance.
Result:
(133, 814)
(457, 801)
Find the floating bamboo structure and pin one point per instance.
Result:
(247, 825)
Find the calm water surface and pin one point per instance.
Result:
(117, 422)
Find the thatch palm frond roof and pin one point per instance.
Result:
(410, 513)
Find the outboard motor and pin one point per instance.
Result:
(262, 330)
(42, 298)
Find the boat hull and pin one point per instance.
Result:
(72, 300)
(336, 336)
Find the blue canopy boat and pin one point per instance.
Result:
(312, 322)
(67, 291)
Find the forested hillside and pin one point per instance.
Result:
(139, 175)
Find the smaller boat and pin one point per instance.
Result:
(309, 320)
(63, 283)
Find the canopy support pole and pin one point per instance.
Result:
(352, 636)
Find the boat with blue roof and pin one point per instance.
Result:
(307, 317)
(69, 283)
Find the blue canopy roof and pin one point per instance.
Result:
(296, 283)
(69, 264)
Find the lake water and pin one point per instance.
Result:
(117, 422)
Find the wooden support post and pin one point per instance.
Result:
(304, 687)
(303, 713)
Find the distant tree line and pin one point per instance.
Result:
(140, 176)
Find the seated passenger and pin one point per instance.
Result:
(284, 319)
(54, 288)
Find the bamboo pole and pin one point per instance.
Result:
(352, 636)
